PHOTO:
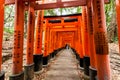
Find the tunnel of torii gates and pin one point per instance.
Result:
(85, 33)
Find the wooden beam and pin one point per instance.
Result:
(65, 29)
(8, 2)
(58, 4)
(61, 4)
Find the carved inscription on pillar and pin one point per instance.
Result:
(99, 14)
(90, 21)
(101, 43)
(17, 47)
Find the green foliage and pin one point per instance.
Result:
(62, 11)
(9, 19)
(110, 11)
(115, 39)
(9, 30)
(111, 21)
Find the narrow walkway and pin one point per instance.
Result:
(64, 67)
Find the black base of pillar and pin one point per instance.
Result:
(86, 64)
(77, 56)
(53, 54)
(92, 73)
(45, 60)
(38, 62)
(29, 72)
(81, 62)
(49, 58)
(17, 76)
(2, 75)
(61, 48)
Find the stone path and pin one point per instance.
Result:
(64, 67)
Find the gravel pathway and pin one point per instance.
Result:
(64, 68)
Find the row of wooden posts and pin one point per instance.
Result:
(93, 42)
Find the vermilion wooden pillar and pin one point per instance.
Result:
(38, 55)
(53, 44)
(29, 67)
(17, 72)
(46, 55)
(1, 35)
(56, 40)
(59, 39)
(76, 45)
(85, 35)
(92, 68)
(48, 43)
(81, 43)
(101, 43)
(118, 19)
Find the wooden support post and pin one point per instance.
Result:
(118, 19)
(38, 55)
(45, 55)
(101, 43)
(2, 2)
(55, 40)
(52, 40)
(53, 53)
(48, 43)
(81, 43)
(85, 35)
(76, 45)
(17, 72)
(59, 44)
(29, 67)
(55, 43)
(51, 46)
(92, 68)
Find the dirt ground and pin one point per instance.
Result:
(114, 60)
(7, 54)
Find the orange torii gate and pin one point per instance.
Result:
(118, 19)
(85, 41)
(62, 24)
(92, 68)
(29, 67)
(58, 27)
(66, 38)
(96, 35)
(2, 2)
(101, 44)
(18, 41)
